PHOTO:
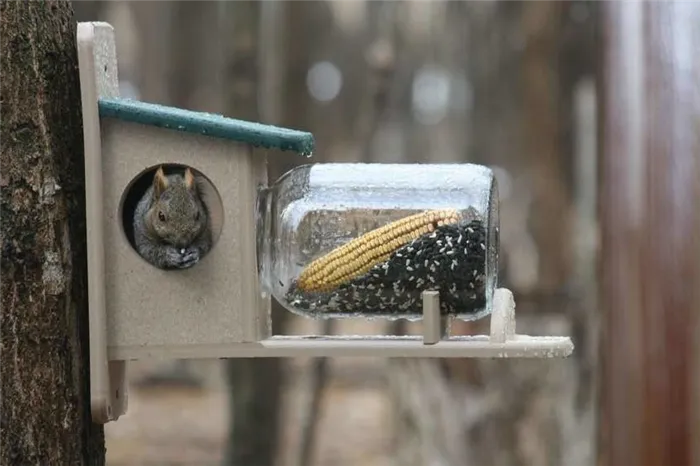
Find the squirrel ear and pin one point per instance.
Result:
(160, 182)
(189, 178)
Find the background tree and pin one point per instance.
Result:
(250, 64)
(45, 402)
(650, 273)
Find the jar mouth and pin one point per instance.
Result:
(262, 226)
(493, 240)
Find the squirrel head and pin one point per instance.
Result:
(177, 214)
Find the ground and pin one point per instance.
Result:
(178, 426)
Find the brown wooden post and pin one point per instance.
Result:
(650, 211)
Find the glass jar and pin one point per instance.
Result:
(365, 240)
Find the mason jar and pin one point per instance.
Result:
(363, 240)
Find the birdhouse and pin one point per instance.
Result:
(410, 241)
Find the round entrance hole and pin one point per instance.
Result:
(205, 189)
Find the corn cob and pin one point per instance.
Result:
(358, 256)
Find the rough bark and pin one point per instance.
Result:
(45, 362)
(650, 192)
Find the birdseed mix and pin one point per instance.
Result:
(450, 259)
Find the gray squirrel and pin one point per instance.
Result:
(172, 228)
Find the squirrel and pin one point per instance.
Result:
(172, 227)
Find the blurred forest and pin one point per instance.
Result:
(508, 84)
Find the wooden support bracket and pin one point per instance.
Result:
(98, 78)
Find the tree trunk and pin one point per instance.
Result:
(153, 27)
(650, 192)
(255, 385)
(45, 402)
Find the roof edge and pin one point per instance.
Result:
(208, 124)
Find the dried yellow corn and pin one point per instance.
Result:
(358, 256)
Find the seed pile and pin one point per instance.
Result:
(450, 259)
(357, 257)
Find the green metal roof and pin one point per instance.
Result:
(256, 134)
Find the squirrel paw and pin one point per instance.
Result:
(183, 258)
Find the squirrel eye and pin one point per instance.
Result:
(196, 215)
(161, 216)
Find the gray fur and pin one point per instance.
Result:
(182, 241)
